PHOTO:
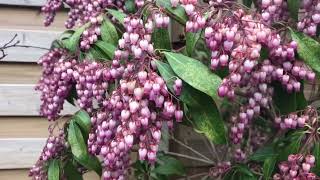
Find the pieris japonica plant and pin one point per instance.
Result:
(243, 74)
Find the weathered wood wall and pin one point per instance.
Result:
(22, 130)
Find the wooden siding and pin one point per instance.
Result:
(22, 131)
(23, 100)
(37, 38)
(23, 2)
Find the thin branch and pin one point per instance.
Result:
(15, 43)
(195, 176)
(188, 157)
(28, 46)
(190, 148)
(12, 39)
(214, 150)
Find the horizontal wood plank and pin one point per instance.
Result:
(19, 73)
(37, 38)
(22, 174)
(26, 18)
(26, 127)
(20, 152)
(23, 100)
(23, 2)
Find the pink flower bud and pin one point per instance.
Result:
(134, 106)
(125, 114)
(138, 93)
(128, 140)
(178, 115)
(189, 9)
(174, 3)
(144, 44)
(142, 154)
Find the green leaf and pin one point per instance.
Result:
(195, 74)
(178, 13)
(308, 49)
(95, 54)
(247, 3)
(169, 166)
(72, 44)
(263, 153)
(161, 39)
(191, 41)
(244, 170)
(130, 6)
(109, 32)
(240, 172)
(71, 172)
(117, 15)
(264, 53)
(268, 166)
(167, 74)
(82, 118)
(302, 103)
(316, 153)
(79, 149)
(204, 113)
(107, 48)
(229, 175)
(66, 35)
(72, 95)
(284, 101)
(293, 6)
(293, 146)
(207, 120)
(54, 170)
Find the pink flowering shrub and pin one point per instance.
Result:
(237, 77)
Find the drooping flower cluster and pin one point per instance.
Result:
(274, 10)
(277, 10)
(136, 111)
(311, 17)
(236, 42)
(84, 12)
(196, 19)
(220, 169)
(55, 82)
(80, 12)
(54, 148)
(161, 20)
(297, 167)
(92, 80)
(298, 119)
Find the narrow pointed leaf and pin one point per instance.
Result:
(293, 6)
(82, 118)
(316, 153)
(117, 15)
(107, 48)
(72, 44)
(79, 149)
(308, 50)
(54, 170)
(169, 166)
(109, 32)
(130, 6)
(195, 73)
(268, 167)
(71, 172)
(204, 113)
(178, 12)
(191, 41)
(161, 39)
(247, 3)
